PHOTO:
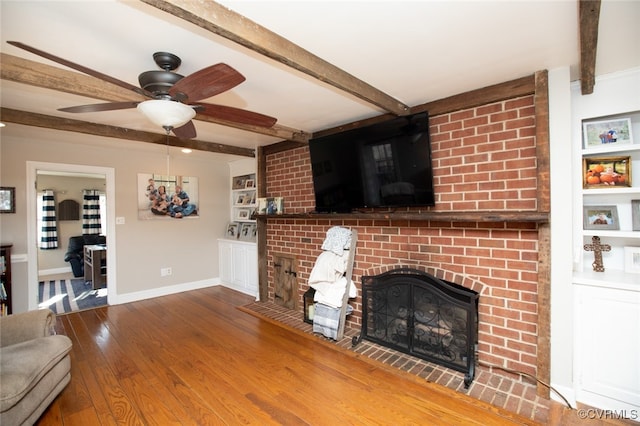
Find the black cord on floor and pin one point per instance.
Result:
(522, 373)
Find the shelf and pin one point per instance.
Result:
(611, 234)
(610, 278)
(611, 150)
(620, 190)
(503, 216)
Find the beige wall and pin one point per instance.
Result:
(188, 246)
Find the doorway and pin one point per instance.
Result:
(33, 170)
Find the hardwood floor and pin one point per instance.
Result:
(195, 359)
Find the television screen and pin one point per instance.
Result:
(386, 164)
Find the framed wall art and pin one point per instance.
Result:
(164, 197)
(606, 172)
(635, 215)
(607, 133)
(632, 260)
(601, 217)
(7, 199)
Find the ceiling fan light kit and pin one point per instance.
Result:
(172, 95)
(166, 113)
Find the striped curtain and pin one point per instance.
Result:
(49, 239)
(91, 212)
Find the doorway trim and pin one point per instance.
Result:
(32, 244)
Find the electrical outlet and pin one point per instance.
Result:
(165, 272)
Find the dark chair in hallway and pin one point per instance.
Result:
(75, 255)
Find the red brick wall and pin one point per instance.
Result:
(484, 159)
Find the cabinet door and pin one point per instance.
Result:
(239, 265)
(608, 345)
(252, 269)
(226, 262)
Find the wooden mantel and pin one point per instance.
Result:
(506, 216)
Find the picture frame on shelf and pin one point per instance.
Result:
(635, 215)
(240, 182)
(7, 199)
(247, 231)
(250, 184)
(606, 172)
(632, 260)
(240, 198)
(232, 230)
(271, 205)
(597, 134)
(601, 218)
(243, 214)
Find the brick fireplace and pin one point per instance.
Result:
(485, 161)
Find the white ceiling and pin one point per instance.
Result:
(415, 51)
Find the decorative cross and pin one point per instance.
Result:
(597, 250)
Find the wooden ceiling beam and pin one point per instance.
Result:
(226, 23)
(20, 70)
(65, 124)
(589, 11)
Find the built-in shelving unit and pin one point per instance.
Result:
(619, 196)
(606, 303)
(243, 197)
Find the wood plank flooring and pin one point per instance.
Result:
(194, 359)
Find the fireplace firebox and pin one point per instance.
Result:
(416, 313)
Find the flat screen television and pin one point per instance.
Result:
(386, 164)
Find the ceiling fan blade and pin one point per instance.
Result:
(236, 115)
(186, 131)
(81, 68)
(110, 106)
(206, 83)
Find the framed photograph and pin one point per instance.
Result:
(635, 215)
(240, 182)
(606, 172)
(165, 197)
(240, 198)
(7, 199)
(632, 260)
(248, 232)
(232, 230)
(250, 183)
(607, 133)
(601, 217)
(243, 214)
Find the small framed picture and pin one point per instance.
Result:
(606, 172)
(635, 215)
(240, 198)
(243, 214)
(632, 260)
(248, 231)
(232, 230)
(250, 183)
(601, 217)
(240, 182)
(7, 199)
(607, 133)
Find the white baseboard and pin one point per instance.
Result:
(54, 271)
(117, 299)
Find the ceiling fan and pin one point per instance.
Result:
(173, 98)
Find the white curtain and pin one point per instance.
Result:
(91, 212)
(49, 238)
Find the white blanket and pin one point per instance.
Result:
(328, 280)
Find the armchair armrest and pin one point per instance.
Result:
(25, 326)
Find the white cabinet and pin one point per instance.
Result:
(239, 265)
(608, 347)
